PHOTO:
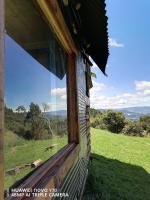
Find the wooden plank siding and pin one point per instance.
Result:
(75, 180)
(1, 99)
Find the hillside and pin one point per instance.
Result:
(58, 113)
(133, 113)
(120, 167)
(141, 109)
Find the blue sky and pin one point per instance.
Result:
(27, 81)
(128, 68)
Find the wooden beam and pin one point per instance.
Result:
(1, 100)
(56, 21)
(72, 101)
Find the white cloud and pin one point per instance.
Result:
(64, 97)
(147, 92)
(119, 101)
(123, 100)
(140, 96)
(114, 43)
(97, 88)
(58, 91)
(59, 99)
(142, 85)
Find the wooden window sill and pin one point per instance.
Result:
(51, 174)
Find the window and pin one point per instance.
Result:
(36, 122)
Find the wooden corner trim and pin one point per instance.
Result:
(52, 12)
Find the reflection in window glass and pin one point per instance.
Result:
(35, 109)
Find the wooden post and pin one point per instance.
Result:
(1, 99)
(72, 101)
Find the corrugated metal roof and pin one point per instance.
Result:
(88, 25)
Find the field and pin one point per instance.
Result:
(119, 168)
(20, 151)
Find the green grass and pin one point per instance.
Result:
(120, 168)
(12, 139)
(20, 151)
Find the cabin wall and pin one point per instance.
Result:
(75, 180)
(83, 106)
(84, 125)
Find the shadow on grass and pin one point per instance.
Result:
(110, 179)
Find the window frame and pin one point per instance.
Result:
(56, 167)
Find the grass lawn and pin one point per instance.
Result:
(20, 151)
(120, 168)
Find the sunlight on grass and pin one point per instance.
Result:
(27, 152)
(128, 149)
(120, 166)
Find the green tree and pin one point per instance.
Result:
(35, 121)
(94, 112)
(145, 123)
(21, 109)
(114, 121)
(133, 128)
(46, 107)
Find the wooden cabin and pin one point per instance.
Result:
(63, 36)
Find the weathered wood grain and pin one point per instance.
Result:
(72, 99)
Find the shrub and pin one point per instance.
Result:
(114, 121)
(11, 139)
(145, 123)
(133, 129)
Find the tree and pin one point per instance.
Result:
(37, 124)
(34, 110)
(145, 123)
(133, 128)
(94, 112)
(114, 121)
(46, 107)
(21, 109)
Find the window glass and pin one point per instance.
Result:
(35, 92)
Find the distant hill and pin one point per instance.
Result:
(141, 110)
(59, 113)
(133, 113)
